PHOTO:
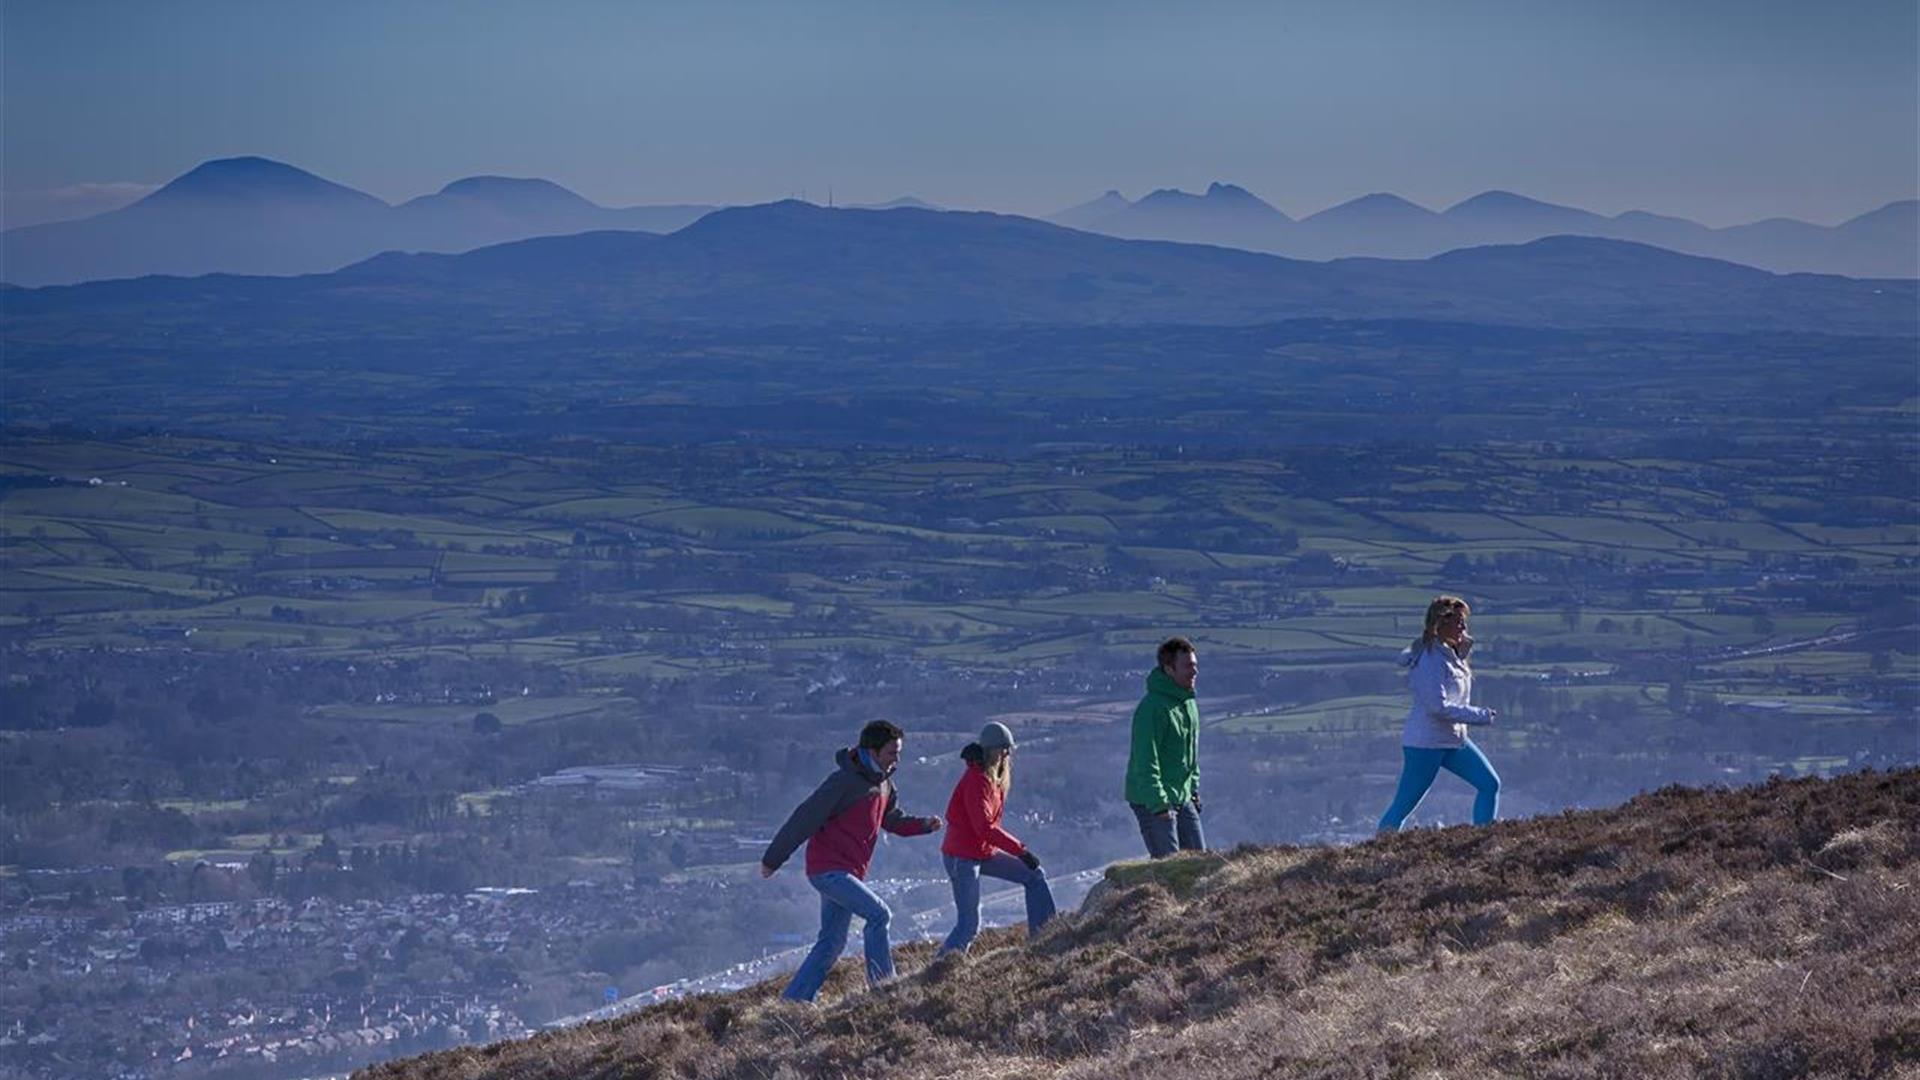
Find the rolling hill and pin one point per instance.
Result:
(793, 263)
(1761, 932)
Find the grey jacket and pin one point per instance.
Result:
(842, 819)
(1442, 686)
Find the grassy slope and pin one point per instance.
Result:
(1764, 932)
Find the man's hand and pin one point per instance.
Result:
(766, 871)
(934, 823)
(1028, 857)
(1196, 801)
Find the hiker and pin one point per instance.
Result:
(1163, 767)
(840, 822)
(1435, 737)
(977, 845)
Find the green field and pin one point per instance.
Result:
(210, 546)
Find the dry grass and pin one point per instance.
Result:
(1763, 932)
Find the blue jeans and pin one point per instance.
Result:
(1160, 831)
(842, 896)
(1423, 764)
(965, 875)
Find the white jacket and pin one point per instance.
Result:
(1442, 686)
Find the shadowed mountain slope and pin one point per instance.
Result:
(793, 263)
(1761, 932)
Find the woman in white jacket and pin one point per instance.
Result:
(1436, 731)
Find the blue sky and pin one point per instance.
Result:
(1720, 111)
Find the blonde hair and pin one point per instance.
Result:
(1001, 773)
(1440, 608)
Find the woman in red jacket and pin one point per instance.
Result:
(976, 844)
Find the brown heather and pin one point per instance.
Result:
(1764, 932)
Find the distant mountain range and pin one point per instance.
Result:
(1883, 243)
(793, 263)
(250, 215)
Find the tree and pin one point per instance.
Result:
(1677, 696)
(485, 723)
(262, 869)
(326, 852)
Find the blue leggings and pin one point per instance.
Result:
(1423, 764)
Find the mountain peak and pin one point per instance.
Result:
(1218, 190)
(1380, 206)
(1088, 214)
(1383, 200)
(491, 185)
(254, 179)
(1219, 198)
(1505, 206)
(1495, 198)
(512, 192)
(246, 166)
(755, 219)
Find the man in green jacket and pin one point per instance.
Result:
(1163, 769)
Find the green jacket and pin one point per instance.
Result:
(1163, 768)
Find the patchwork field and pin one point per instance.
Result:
(602, 566)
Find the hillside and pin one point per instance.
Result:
(1760, 932)
(795, 264)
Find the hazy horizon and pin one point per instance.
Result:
(50, 205)
(1721, 113)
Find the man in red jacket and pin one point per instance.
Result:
(977, 844)
(840, 822)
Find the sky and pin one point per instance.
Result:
(1723, 111)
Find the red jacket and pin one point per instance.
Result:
(841, 820)
(973, 819)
